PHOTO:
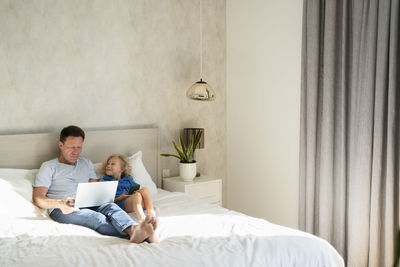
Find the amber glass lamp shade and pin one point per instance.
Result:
(201, 91)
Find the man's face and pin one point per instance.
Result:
(70, 149)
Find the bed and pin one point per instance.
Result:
(192, 232)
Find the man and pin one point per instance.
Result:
(57, 181)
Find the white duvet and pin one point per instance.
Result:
(192, 233)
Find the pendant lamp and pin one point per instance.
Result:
(201, 90)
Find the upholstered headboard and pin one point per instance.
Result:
(28, 151)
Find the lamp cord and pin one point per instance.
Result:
(201, 43)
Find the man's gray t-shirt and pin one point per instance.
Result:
(62, 179)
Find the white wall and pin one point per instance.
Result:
(263, 108)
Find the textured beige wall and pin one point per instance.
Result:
(114, 64)
(263, 105)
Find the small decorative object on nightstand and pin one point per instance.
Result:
(187, 164)
(206, 188)
(189, 134)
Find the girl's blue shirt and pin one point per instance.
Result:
(124, 183)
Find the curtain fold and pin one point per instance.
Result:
(350, 127)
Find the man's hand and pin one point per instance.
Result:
(42, 201)
(66, 205)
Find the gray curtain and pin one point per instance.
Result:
(350, 127)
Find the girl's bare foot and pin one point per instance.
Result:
(154, 238)
(154, 219)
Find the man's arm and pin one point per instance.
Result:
(39, 199)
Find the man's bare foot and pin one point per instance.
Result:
(142, 231)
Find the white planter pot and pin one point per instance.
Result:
(187, 171)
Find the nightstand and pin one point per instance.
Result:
(206, 188)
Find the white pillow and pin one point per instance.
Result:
(97, 169)
(140, 174)
(16, 194)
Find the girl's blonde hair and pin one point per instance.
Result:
(125, 165)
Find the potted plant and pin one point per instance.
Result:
(187, 164)
(397, 250)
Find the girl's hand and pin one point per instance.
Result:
(121, 197)
(124, 195)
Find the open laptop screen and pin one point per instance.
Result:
(95, 194)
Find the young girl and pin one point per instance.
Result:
(117, 168)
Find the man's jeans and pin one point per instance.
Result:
(107, 219)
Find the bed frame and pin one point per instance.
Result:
(28, 151)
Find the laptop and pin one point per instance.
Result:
(95, 194)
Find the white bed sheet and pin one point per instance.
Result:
(192, 233)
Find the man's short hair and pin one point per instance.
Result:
(71, 130)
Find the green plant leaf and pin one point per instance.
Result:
(191, 150)
(197, 138)
(397, 250)
(182, 155)
(186, 152)
(184, 148)
(170, 155)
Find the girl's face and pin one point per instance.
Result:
(113, 168)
